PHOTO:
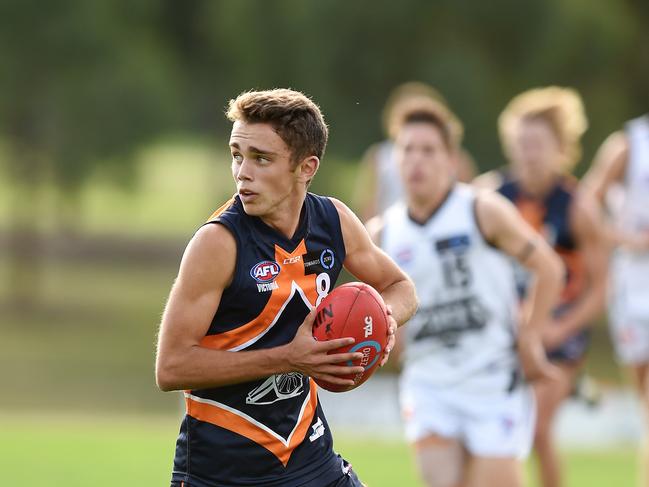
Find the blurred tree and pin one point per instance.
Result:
(348, 56)
(81, 84)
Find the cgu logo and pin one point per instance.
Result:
(265, 271)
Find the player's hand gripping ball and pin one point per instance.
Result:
(354, 310)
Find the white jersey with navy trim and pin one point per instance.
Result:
(465, 326)
(628, 303)
(631, 269)
(388, 185)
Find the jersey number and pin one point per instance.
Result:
(457, 272)
(322, 286)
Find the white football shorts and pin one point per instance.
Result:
(489, 422)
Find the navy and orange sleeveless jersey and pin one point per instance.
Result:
(272, 431)
(550, 216)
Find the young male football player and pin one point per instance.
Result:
(236, 331)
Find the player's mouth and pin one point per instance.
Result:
(247, 196)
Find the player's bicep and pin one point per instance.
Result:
(206, 269)
(509, 232)
(588, 227)
(364, 259)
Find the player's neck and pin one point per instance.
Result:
(538, 187)
(285, 217)
(421, 209)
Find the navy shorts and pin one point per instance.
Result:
(572, 350)
(347, 479)
(575, 347)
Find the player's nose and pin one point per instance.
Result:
(243, 172)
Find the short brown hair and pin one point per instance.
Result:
(434, 118)
(293, 116)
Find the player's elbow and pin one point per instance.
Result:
(553, 271)
(413, 299)
(166, 375)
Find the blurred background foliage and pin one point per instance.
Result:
(113, 142)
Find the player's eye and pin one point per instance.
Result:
(236, 157)
(262, 159)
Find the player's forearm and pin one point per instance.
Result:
(200, 368)
(402, 297)
(544, 294)
(586, 309)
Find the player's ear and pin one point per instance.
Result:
(307, 168)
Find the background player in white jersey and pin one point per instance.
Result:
(622, 164)
(378, 181)
(467, 411)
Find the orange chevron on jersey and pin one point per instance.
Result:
(291, 279)
(221, 209)
(533, 212)
(238, 422)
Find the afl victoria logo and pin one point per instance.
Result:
(265, 271)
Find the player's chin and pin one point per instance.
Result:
(419, 187)
(253, 208)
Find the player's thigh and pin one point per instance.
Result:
(550, 394)
(494, 472)
(640, 375)
(440, 460)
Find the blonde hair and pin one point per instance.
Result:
(415, 96)
(561, 108)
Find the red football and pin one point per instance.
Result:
(353, 310)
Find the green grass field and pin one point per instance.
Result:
(67, 451)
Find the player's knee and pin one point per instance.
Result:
(440, 477)
(542, 436)
(543, 425)
(440, 469)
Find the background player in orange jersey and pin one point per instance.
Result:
(540, 131)
(236, 331)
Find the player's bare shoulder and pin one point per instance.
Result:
(490, 205)
(490, 180)
(495, 216)
(349, 222)
(353, 228)
(210, 256)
